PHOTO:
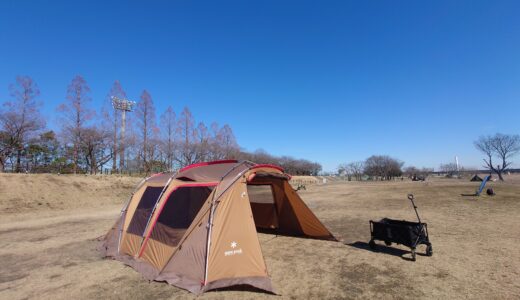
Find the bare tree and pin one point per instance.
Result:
(95, 144)
(383, 167)
(227, 142)
(187, 152)
(133, 147)
(352, 169)
(415, 173)
(289, 164)
(21, 119)
(75, 115)
(451, 169)
(501, 146)
(356, 169)
(168, 119)
(215, 153)
(344, 171)
(112, 117)
(145, 116)
(203, 142)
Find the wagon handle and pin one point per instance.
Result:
(410, 197)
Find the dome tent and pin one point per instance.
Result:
(475, 178)
(197, 229)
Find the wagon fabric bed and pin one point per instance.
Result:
(410, 234)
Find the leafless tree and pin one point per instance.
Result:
(133, 147)
(203, 142)
(20, 119)
(112, 117)
(186, 149)
(75, 115)
(415, 173)
(215, 153)
(352, 169)
(411, 171)
(501, 146)
(289, 164)
(145, 117)
(344, 171)
(450, 169)
(356, 169)
(227, 142)
(383, 167)
(168, 124)
(95, 145)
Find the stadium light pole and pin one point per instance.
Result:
(124, 105)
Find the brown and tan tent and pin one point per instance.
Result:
(197, 229)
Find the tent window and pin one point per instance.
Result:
(178, 213)
(260, 193)
(144, 209)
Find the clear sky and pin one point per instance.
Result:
(327, 81)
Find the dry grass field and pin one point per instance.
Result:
(49, 225)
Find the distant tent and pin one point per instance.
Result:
(476, 178)
(197, 229)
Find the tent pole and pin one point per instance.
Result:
(208, 243)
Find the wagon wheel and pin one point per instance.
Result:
(372, 244)
(429, 250)
(388, 243)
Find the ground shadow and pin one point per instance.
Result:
(469, 195)
(383, 249)
(277, 232)
(243, 288)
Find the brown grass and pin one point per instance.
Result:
(49, 225)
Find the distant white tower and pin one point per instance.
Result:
(457, 163)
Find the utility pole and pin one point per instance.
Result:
(123, 105)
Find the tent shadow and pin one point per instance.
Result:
(380, 248)
(276, 233)
(242, 288)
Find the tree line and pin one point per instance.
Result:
(499, 150)
(90, 141)
(376, 167)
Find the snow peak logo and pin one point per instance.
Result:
(234, 250)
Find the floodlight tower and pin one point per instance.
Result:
(124, 105)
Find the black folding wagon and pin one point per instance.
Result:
(410, 234)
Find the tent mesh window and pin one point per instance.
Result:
(143, 210)
(263, 206)
(181, 207)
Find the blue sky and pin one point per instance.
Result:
(328, 81)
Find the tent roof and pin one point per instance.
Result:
(209, 171)
(476, 178)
